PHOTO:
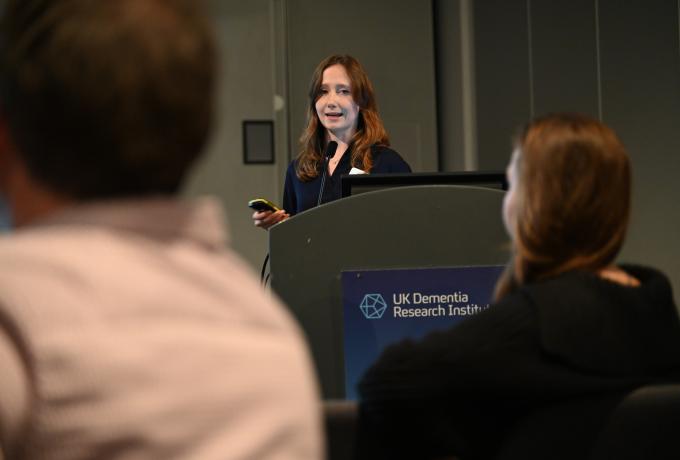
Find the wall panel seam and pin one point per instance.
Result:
(598, 58)
(531, 61)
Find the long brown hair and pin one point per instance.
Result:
(370, 130)
(572, 199)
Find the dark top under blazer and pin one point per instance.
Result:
(458, 392)
(299, 196)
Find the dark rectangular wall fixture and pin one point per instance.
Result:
(258, 141)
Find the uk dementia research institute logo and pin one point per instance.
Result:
(373, 306)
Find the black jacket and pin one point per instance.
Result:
(299, 196)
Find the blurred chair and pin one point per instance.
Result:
(646, 425)
(642, 424)
(341, 425)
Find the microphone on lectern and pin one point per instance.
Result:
(328, 154)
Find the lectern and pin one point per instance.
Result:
(397, 228)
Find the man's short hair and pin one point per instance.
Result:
(107, 98)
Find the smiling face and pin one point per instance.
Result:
(335, 106)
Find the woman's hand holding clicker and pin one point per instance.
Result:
(266, 219)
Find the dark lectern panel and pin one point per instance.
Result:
(406, 227)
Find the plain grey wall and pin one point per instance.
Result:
(618, 60)
(640, 68)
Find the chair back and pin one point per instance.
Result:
(642, 424)
(645, 425)
(341, 421)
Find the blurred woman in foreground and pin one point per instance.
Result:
(567, 323)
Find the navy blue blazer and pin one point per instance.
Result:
(299, 196)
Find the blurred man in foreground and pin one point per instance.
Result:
(128, 329)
